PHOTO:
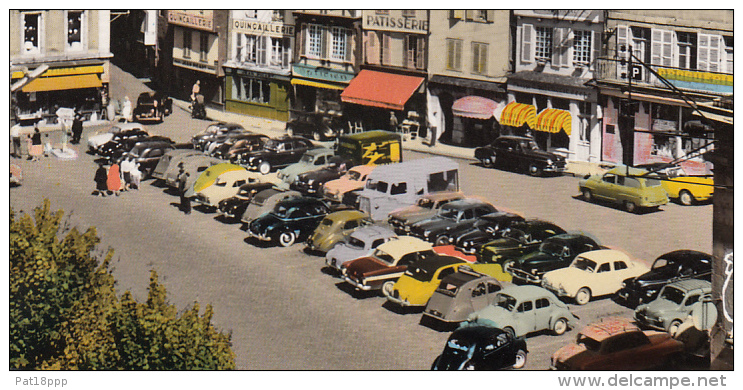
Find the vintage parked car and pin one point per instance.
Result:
(334, 228)
(477, 347)
(118, 138)
(152, 106)
(673, 304)
(520, 153)
(592, 274)
(318, 126)
(360, 243)
(311, 160)
(239, 143)
(265, 201)
(453, 218)
(354, 179)
(312, 182)
(381, 269)
(148, 155)
(209, 176)
(686, 189)
(615, 344)
(276, 153)
(216, 141)
(487, 228)
(629, 187)
(554, 253)
(99, 138)
(227, 185)
(668, 268)
(292, 220)
(113, 151)
(460, 294)
(517, 240)
(214, 130)
(426, 207)
(521, 310)
(173, 156)
(234, 207)
(194, 165)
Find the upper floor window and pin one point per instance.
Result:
(543, 43)
(280, 52)
(479, 58)
(415, 52)
(75, 30)
(338, 43)
(382, 12)
(408, 13)
(581, 47)
(31, 32)
(728, 40)
(187, 43)
(203, 46)
(687, 49)
(314, 40)
(277, 15)
(481, 15)
(454, 54)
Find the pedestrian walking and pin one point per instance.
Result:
(182, 188)
(136, 176)
(393, 122)
(113, 181)
(15, 138)
(101, 180)
(127, 165)
(35, 148)
(77, 128)
(126, 109)
(195, 90)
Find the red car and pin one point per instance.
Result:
(617, 344)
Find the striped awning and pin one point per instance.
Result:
(516, 114)
(474, 107)
(553, 120)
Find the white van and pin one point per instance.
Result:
(390, 187)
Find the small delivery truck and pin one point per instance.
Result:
(373, 147)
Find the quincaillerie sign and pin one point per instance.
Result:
(202, 20)
(263, 28)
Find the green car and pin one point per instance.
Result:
(625, 186)
(335, 228)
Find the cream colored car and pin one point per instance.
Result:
(226, 186)
(592, 274)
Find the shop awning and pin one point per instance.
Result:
(380, 89)
(316, 84)
(474, 107)
(553, 120)
(63, 83)
(516, 114)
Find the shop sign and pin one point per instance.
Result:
(697, 80)
(200, 66)
(312, 72)
(263, 28)
(202, 20)
(393, 23)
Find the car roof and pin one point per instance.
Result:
(318, 151)
(466, 203)
(623, 170)
(404, 245)
(444, 195)
(515, 138)
(691, 284)
(608, 327)
(346, 215)
(129, 126)
(363, 169)
(685, 256)
(601, 256)
(476, 332)
(373, 231)
(301, 200)
(527, 292)
(437, 261)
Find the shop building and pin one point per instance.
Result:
(326, 58)
(258, 65)
(70, 52)
(199, 42)
(467, 75)
(555, 56)
(679, 59)
(389, 91)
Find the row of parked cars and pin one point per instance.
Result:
(408, 233)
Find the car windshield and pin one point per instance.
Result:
(505, 301)
(460, 346)
(529, 145)
(384, 257)
(584, 264)
(353, 175)
(449, 213)
(283, 211)
(661, 262)
(220, 183)
(672, 294)
(652, 182)
(354, 242)
(380, 186)
(327, 222)
(589, 343)
(307, 158)
(449, 287)
(515, 234)
(419, 273)
(425, 203)
(554, 248)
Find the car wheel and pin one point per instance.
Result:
(535, 170)
(264, 168)
(290, 132)
(510, 331)
(560, 326)
(587, 195)
(442, 240)
(631, 207)
(489, 162)
(583, 296)
(508, 265)
(674, 327)
(287, 239)
(520, 359)
(316, 136)
(387, 288)
(686, 198)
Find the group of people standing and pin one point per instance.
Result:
(119, 177)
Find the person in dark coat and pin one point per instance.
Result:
(182, 188)
(101, 181)
(77, 128)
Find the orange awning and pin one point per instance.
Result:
(380, 89)
(516, 114)
(63, 83)
(553, 120)
(474, 107)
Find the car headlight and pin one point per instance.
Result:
(251, 159)
(649, 293)
(311, 182)
(426, 233)
(549, 161)
(534, 271)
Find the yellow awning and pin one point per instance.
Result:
(54, 72)
(516, 114)
(317, 84)
(63, 83)
(553, 120)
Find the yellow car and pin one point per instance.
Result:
(416, 286)
(678, 185)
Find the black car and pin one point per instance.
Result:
(148, 153)
(520, 153)
(453, 218)
(478, 347)
(292, 219)
(485, 229)
(517, 240)
(238, 143)
(554, 253)
(152, 106)
(214, 130)
(117, 146)
(668, 268)
(234, 207)
(215, 141)
(311, 124)
(276, 153)
(310, 183)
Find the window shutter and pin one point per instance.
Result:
(406, 51)
(371, 47)
(457, 14)
(287, 50)
(703, 52)
(469, 14)
(324, 42)
(667, 47)
(622, 50)
(385, 48)
(301, 42)
(261, 42)
(421, 59)
(595, 48)
(490, 15)
(458, 54)
(565, 46)
(483, 61)
(557, 37)
(349, 45)
(527, 43)
(714, 53)
(450, 54)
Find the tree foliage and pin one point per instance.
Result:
(65, 312)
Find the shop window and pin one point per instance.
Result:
(479, 58)
(75, 30)
(251, 90)
(314, 41)
(581, 47)
(543, 44)
(187, 43)
(687, 50)
(31, 32)
(454, 54)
